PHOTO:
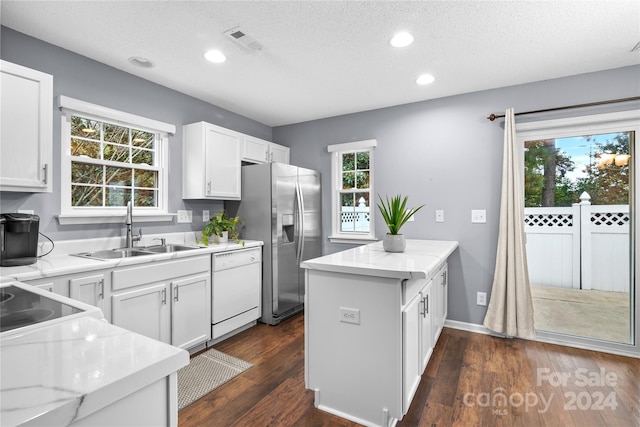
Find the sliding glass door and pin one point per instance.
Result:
(580, 181)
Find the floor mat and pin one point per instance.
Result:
(204, 373)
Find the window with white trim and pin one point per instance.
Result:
(108, 159)
(352, 191)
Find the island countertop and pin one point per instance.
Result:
(420, 260)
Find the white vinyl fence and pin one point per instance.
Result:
(581, 247)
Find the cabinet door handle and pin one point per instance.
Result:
(164, 296)
(444, 278)
(422, 312)
(45, 168)
(208, 187)
(426, 305)
(101, 295)
(175, 297)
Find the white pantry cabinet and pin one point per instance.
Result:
(211, 161)
(168, 301)
(26, 114)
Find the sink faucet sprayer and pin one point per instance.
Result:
(129, 221)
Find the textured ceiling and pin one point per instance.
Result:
(327, 58)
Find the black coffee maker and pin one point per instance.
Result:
(18, 239)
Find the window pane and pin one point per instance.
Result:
(142, 157)
(348, 180)
(348, 163)
(363, 179)
(84, 173)
(116, 134)
(363, 160)
(146, 198)
(85, 128)
(142, 139)
(82, 195)
(144, 178)
(118, 176)
(361, 212)
(117, 196)
(347, 199)
(116, 153)
(85, 148)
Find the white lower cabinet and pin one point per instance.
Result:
(93, 288)
(190, 311)
(144, 311)
(168, 301)
(90, 290)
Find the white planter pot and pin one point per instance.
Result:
(394, 243)
(221, 239)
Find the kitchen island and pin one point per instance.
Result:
(372, 319)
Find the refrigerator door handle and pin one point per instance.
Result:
(300, 203)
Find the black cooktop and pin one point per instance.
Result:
(20, 307)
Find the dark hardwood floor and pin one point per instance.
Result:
(471, 380)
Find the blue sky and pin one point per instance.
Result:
(578, 149)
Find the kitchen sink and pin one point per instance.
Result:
(168, 248)
(133, 252)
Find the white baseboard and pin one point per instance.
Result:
(550, 338)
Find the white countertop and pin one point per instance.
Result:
(61, 263)
(420, 259)
(59, 371)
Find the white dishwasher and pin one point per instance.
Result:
(236, 289)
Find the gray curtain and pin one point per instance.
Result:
(510, 310)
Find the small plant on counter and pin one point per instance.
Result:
(395, 212)
(218, 225)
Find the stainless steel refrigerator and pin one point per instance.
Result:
(280, 205)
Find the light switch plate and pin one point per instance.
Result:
(184, 216)
(479, 216)
(205, 215)
(439, 215)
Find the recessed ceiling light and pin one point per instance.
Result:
(215, 56)
(141, 62)
(401, 39)
(425, 79)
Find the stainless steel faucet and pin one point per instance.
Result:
(129, 221)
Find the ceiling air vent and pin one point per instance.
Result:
(240, 36)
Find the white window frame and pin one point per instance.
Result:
(98, 215)
(584, 125)
(336, 150)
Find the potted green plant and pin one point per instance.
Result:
(222, 228)
(395, 214)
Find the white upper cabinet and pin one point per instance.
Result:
(211, 161)
(279, 153)
(26, 116)
(255, 150)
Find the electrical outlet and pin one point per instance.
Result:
(481, 298)
(411, 218)
(349, 315)
(479, 216)
(205, 215)
(440, 215)
(185, 216)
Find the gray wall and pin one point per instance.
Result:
(445, 154)
(79, 77)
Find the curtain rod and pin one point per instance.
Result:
(492, 117)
